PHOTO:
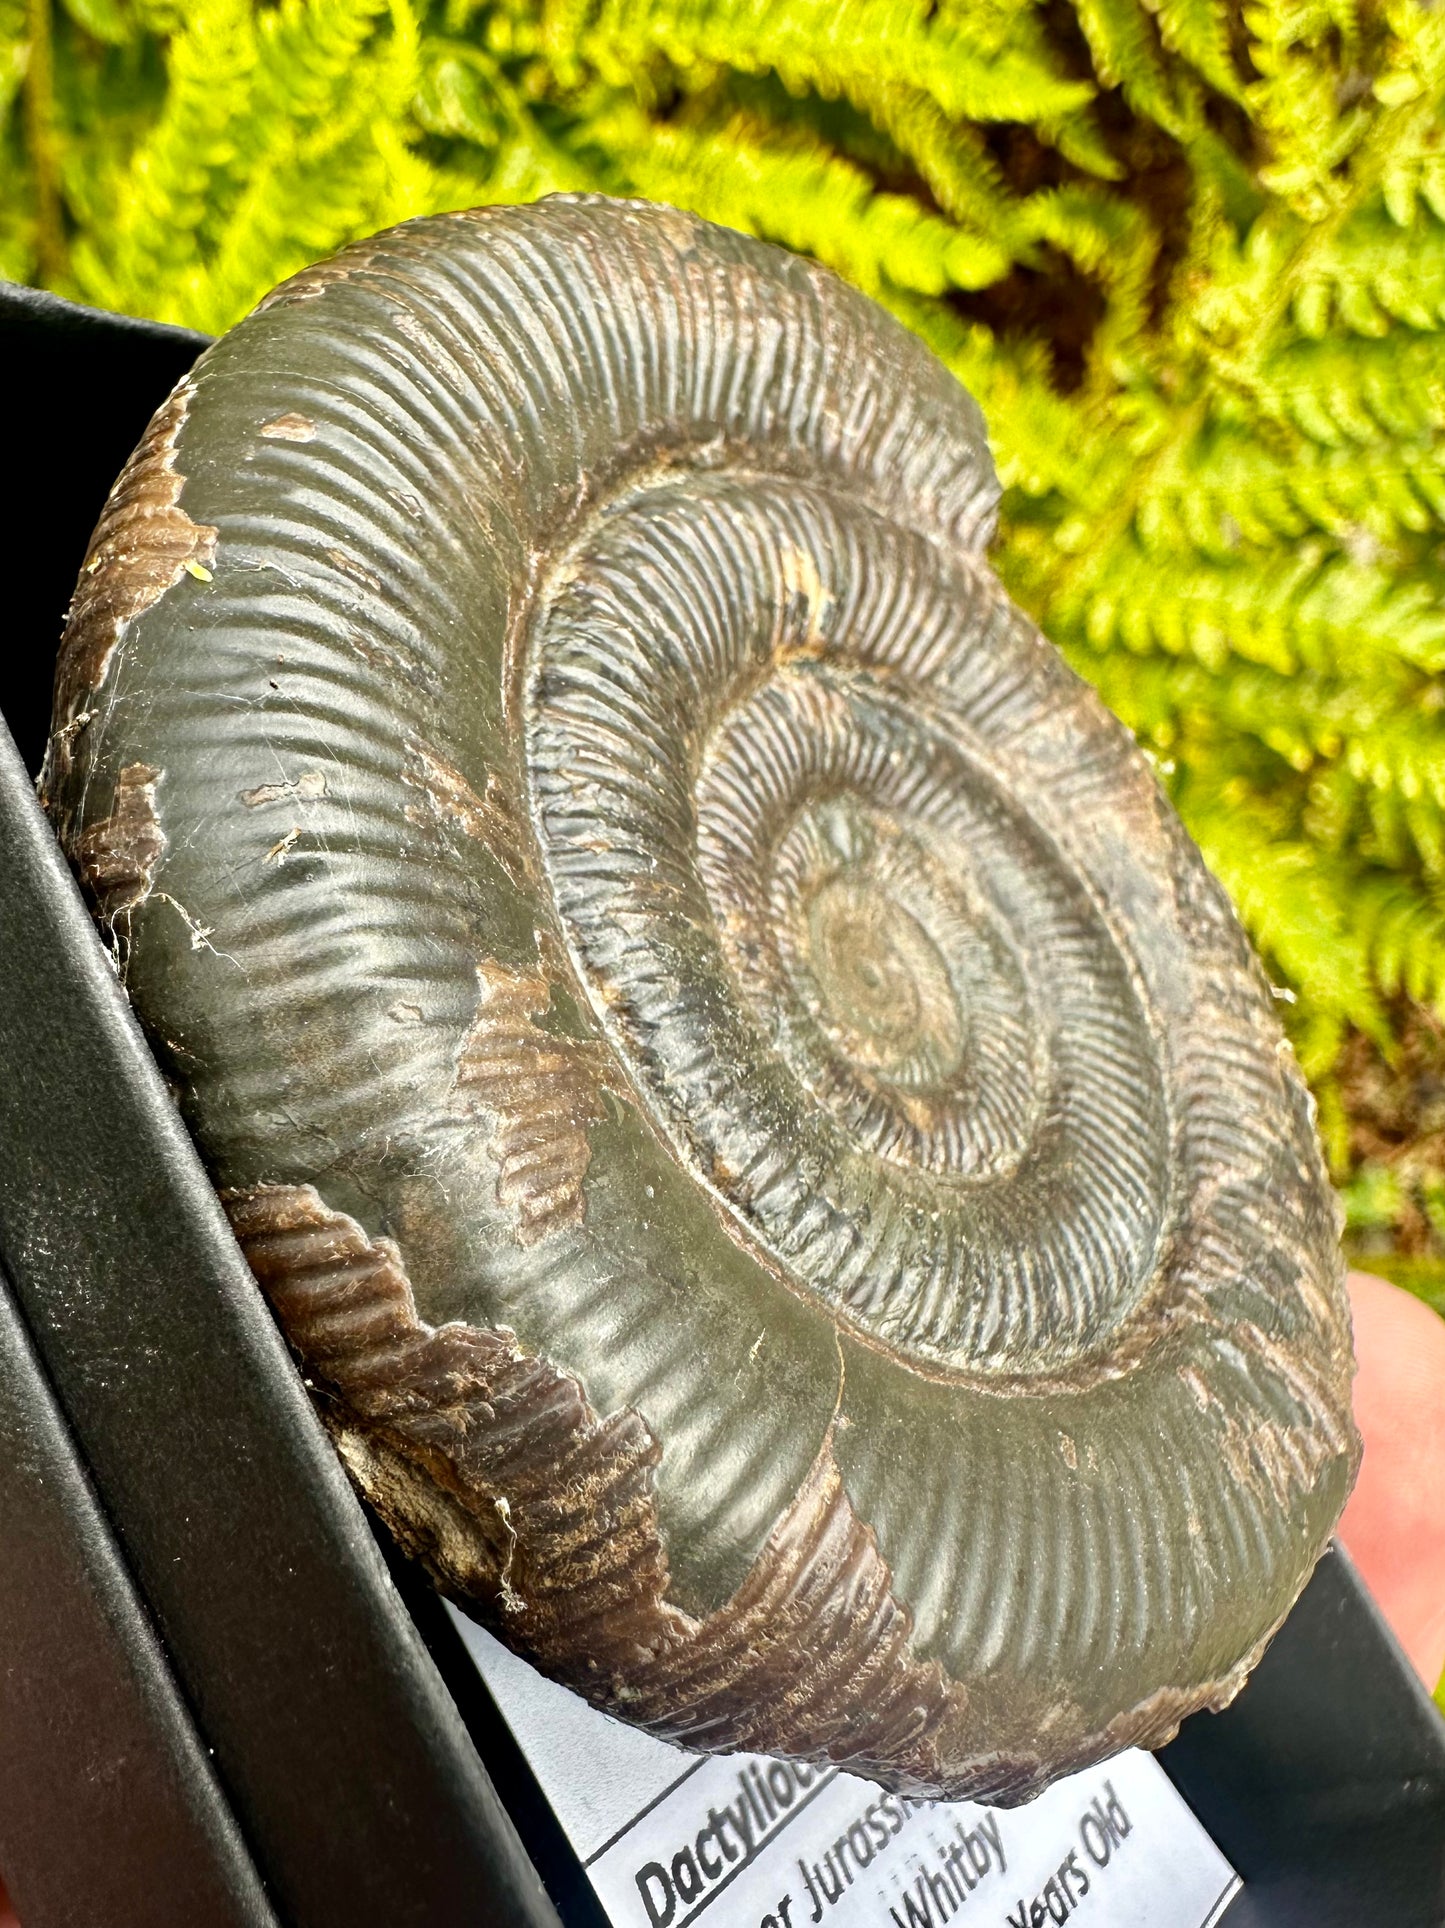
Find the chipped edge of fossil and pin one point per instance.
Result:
(290, 427)
(306, 788)
(143, 544)
(544, 1092)
(450, 803)
(116, 858)
(307, 283)
(492, 1468)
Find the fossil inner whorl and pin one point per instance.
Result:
(849, 962)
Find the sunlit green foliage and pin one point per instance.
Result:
(1189, 254)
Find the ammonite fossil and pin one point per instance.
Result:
(770, 1147)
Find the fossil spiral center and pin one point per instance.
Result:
(852, 975)
(864, 964)
(884, 992)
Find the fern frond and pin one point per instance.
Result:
(817, 45)
(305, 52)
(499, 149)
(326, 175)
(1294, 100)
(277, 144)
(1127, 54)
(792, 190)
(111, 21)
(1299, 911)
(1411, 179)
(952, 158)
(1199, 30)
(1242, 489)
(1311, 609)
(155, 241)
(1341, 392)
(1376, 269)
(1404, 935)
(1110, 240)
(1402, 751)
(1044, 442)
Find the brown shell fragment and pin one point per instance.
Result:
(546, 1510)
(289, 428)
(544, 1092)
(578, 1560)
(491, 819)
(770, 1148)
(140, 548)
(117, 855)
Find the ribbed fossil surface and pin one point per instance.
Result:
(740, 1092)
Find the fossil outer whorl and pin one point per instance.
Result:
(738, 1088)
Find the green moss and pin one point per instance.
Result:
(1190, 257)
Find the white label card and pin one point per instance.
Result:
(740, 1841)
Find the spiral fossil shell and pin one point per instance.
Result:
(771, 1147)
